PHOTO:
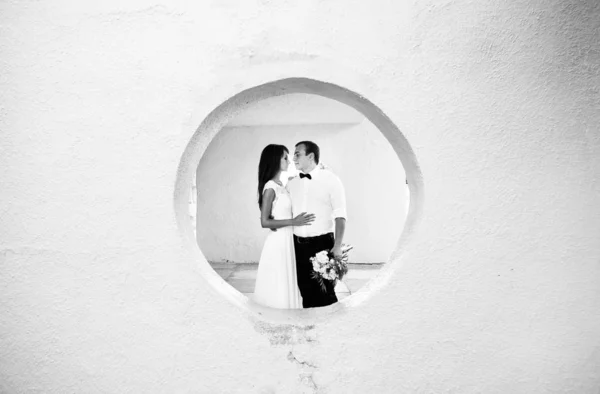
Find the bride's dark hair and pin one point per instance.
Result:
(269, 166)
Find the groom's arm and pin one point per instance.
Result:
(340, 228)
(338, 205)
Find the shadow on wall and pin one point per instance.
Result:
(227, 216)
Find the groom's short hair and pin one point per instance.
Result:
(311, 147)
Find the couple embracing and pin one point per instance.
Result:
(306, 216)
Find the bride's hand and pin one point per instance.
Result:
(304, 219)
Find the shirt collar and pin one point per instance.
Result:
(314, 171)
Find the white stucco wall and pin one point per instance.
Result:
(496, 290)
(351, 146)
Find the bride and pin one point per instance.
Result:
(276, 284)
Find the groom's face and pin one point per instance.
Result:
(301, 161)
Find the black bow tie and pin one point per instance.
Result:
(303, 175)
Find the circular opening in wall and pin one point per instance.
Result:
(216, 198)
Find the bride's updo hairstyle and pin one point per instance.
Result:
(269, 166)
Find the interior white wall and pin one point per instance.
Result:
(497, 290)
(297, 109)
(377, 196)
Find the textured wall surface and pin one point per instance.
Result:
(497, 290)
(350, 146)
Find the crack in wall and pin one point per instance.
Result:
(307, 380)
(306, 374)
(293, 359)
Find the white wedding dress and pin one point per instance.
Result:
(276, 285)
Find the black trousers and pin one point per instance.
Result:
(312, 293)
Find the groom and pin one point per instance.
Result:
(320, 192)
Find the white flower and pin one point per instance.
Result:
(322, 257)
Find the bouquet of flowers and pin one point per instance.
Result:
(326, 267)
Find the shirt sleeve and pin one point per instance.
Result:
(338, 198)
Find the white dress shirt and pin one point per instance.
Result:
(323, 195)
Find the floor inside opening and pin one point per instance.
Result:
(243, 275)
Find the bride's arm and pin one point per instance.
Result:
(265, 214)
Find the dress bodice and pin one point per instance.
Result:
(282, 204)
